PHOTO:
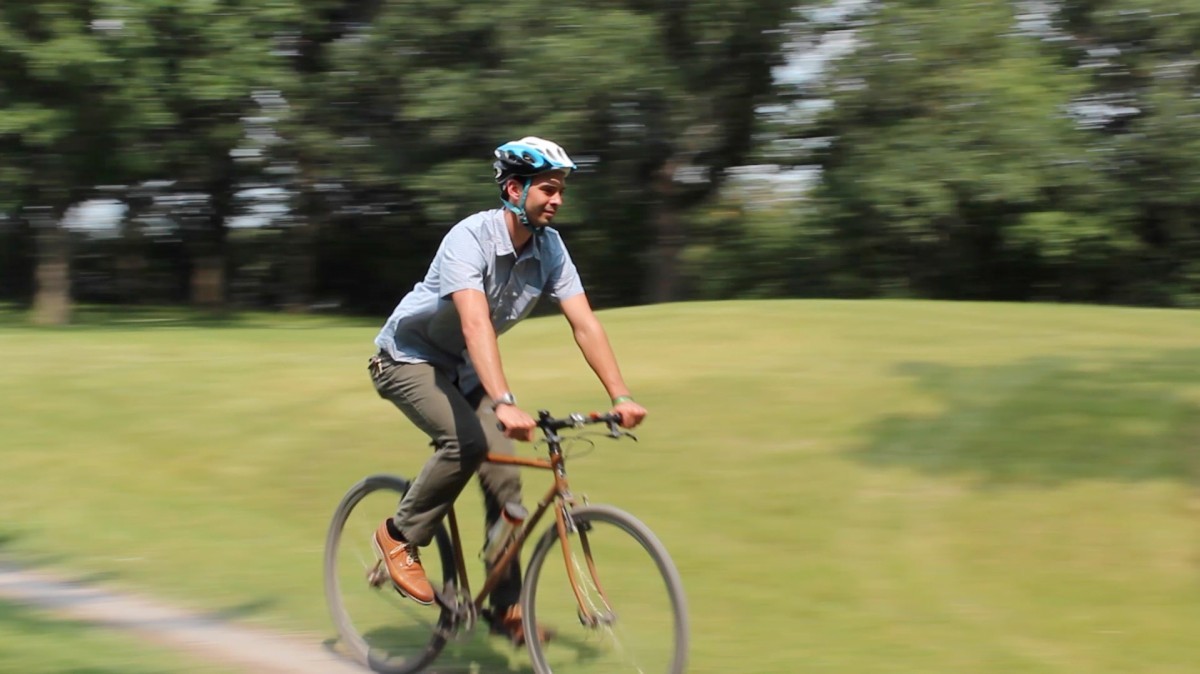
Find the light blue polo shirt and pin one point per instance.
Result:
(476, 253)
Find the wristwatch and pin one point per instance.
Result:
(506, 399)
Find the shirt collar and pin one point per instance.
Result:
(504, 245)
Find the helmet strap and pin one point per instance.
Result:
(519, 209)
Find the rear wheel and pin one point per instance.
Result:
(377, 626)
(634, 617)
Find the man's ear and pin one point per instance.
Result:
(512, 189)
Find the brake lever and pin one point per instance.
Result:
(615, 431)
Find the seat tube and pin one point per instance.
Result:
(459, 561)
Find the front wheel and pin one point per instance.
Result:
(633, 613)
(377, 626)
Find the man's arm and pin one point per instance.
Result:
(480, 336)
(598, 353)
(477, 329)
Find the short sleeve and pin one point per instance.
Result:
(462, 264)
(564, 281)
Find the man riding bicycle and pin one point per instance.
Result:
(439, 361)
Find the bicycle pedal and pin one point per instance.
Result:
(447, 600)
(378, 575)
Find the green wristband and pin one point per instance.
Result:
(622, 399)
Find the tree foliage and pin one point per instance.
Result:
(970, 151)
(985, 149)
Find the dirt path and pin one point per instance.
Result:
(248, 648)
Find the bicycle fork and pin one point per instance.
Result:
(590, 615)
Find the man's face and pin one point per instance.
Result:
(545, 196)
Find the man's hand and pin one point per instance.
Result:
(516, 424)
(631, 413)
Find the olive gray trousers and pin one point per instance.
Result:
(464, 429)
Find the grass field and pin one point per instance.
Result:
(849, 487)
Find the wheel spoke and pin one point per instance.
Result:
(379, 627)
(606, 622)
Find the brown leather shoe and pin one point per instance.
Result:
(404, 566)
(510, 626)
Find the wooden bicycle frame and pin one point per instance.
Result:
(559, 495)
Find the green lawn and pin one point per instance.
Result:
(849, 487)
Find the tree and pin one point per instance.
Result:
(721, 56)
(1142, 114)
(377, 122)
(949, 162)
(110, 93)
(210, 60)
(67, 123)
(656, 100)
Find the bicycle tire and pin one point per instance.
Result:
(377, 650)
(667, 637)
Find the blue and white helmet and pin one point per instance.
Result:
(523, 159)
(528, 157)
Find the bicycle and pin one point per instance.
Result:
(634, 621)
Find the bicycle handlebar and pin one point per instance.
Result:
(576, 420)
(549, 424)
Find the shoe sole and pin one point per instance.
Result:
(497, 631)
(550, 634)
(383, 560)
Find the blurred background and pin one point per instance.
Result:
(225, 198)
(309, 154)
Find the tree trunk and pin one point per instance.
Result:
(208, 256)
(663, 281)
(131, 273)
(52, 287)
(300, 263)
(208, 282)
(132, 265)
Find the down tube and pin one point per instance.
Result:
(514, 548)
